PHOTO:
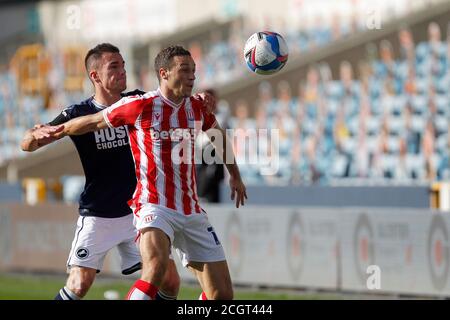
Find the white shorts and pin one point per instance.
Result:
(192, 235)
(95, 236)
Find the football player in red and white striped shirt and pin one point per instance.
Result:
(162, 126)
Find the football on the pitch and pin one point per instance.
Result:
(266, 52)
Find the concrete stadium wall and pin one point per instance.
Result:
(326, 248)
(11, 192)
(38, 238)
(410, 247)
(331, 196)
(294, 247)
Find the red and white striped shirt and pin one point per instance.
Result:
(162, 138)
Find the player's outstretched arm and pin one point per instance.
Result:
(223, 147)
(82, 125)
(29, 142)
(39, 136)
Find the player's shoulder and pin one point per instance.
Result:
(137, 94)
(78, 109)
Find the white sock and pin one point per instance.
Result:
(202, 296)
(136, 294)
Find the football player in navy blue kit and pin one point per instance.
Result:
(105, 219)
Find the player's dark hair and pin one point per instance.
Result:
(165, 56)
(95, 54)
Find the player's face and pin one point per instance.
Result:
(181, 76)
(112, 72)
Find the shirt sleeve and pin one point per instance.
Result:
(125, 111)
(63, 117)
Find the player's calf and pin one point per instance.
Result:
(171, 283)
(80, 280)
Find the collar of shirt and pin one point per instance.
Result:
(169, 102)
(98, 105)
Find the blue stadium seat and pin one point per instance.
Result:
(339, 165)
(415, 164)
(418, 123)
(419, 104)
(396, 125)
(442, 143)
(441, 124)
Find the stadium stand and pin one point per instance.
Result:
(391, 123)
(383, 118)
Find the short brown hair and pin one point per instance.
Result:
(164, 57)
(95, 54)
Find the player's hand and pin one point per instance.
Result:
(209, 101)
(38, 125)
(45, 134)
(238, 191)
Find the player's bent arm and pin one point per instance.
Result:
(209, 101)
(224, 149)
(39, 136)
(82, 125)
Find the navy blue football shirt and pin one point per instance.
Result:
(107, 163)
